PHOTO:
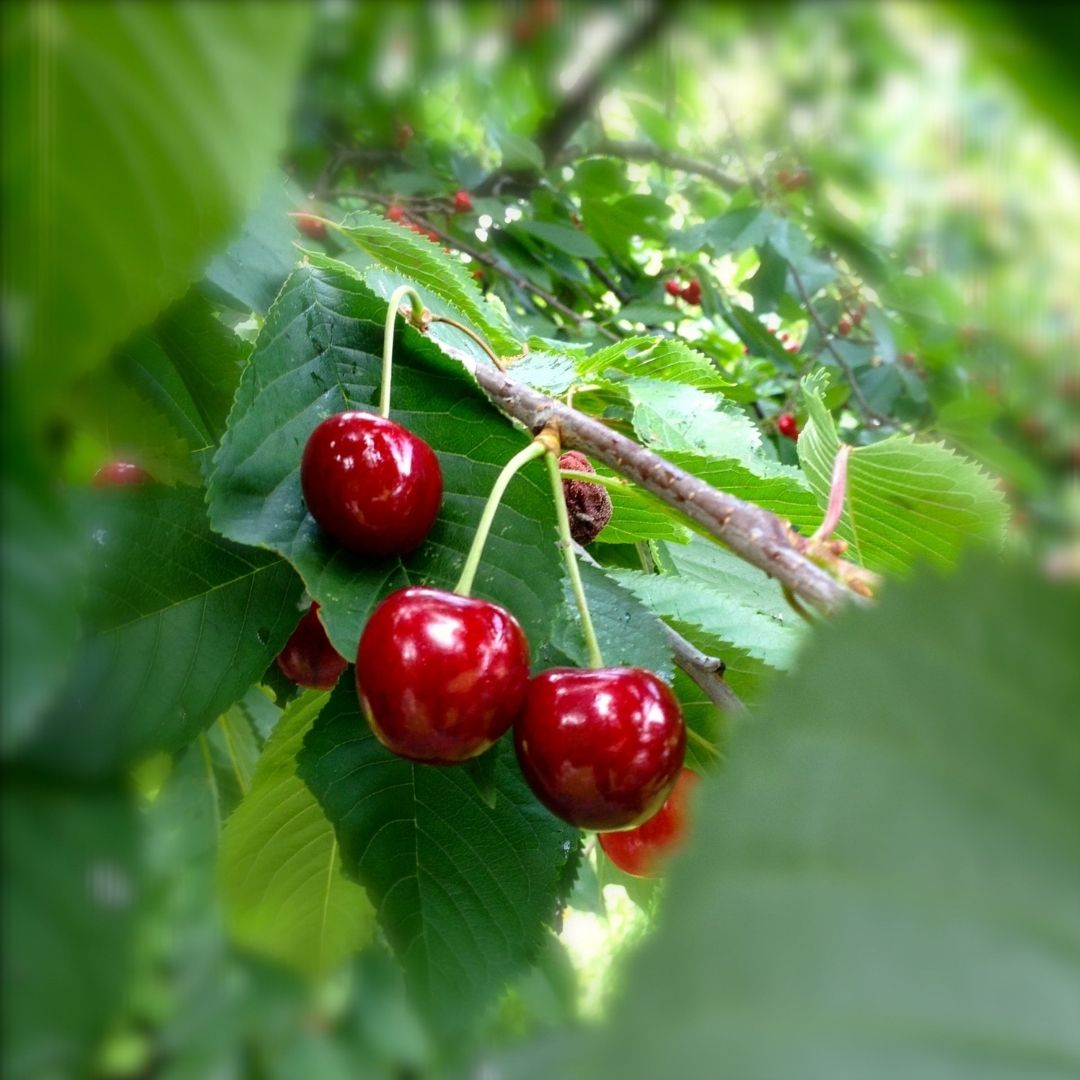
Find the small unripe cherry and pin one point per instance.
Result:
(308, 659)
(843, 327)
(587, 505)
(462, 201)
(692, 293)
(643, 851)
(311, 226)
(787, 426)
(395, 213)
(673, 287)
(120, 474)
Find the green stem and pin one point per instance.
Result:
(396, 297)
(612, 482)
(566, 542)
(498, 489)
(700, 740)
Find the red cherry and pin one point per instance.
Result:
(641, 851)
(308, 658)
(843, 327)
(692, 293)
(120, 474)
(441, 676)
(782, 336)
(433, 236)
(792, 347)
(673, 288)
(372, 485)
(395, 213)
(600, 748)
(311, 226)
(462, 202)
(787, 426)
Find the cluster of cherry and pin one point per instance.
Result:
(442, 675)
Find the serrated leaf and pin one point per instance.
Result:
(655, 358)
(178, 623)
(636, 516)
(151, 152)
(462, 891)
(554, 373)
(320, 352)
(906, 501)
(279, 873)
(421, 261)
(883, 820)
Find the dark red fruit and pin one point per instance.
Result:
(433, 236)
(372, 485)
(441, 676)
(462, 202)
(673, 287)
(395, 213)
(587, 505)
(692, 293)
(403, 134)
(308, 658)
(643, 850)
(843, 327)
(787, 425)
(600, 748)
(311, 226)
(119, 474)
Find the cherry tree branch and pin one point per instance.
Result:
(707, 673)
(649, 152)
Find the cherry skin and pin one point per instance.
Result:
(308, 658)
(311, 226)
(600, 748)
(641, 851)
(843, 327)
(673, 288)
(372, 485)
(462, 201)
(787, 425)
(441, 676)
(395, 213)
(692, 293)
(120, 474)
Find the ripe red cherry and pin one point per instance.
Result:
(843, 327)
(120, 474)
(787, 425)
(441, 676)
(395, 213)
(673, 288)
(308, 658)
(433, 236)
(600, 748)
(462, 201)
(311, 226)
(641, 851)
(692, 293)
(372, 485)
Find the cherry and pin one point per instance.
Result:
(433, 236)
(462, 202)
(692, 293)
(601, 748)
(372, 485)
(843, 327)
(588, 505)
(441, 676)
(673, 287)
(787, 425)
(641, 851)
(395, 213)
(311, 226)
(308, 658)
(120, 474)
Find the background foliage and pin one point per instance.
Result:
(209, 873)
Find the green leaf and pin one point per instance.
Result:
(70, 887)
(561, 237)
(320, 352)
(462, 890)
(282, 887)
(419, 260)
(881, 822)
(519, 152)
(178, 624)
(637, 516)
(906, 501)
(664, 359)
(151, 151)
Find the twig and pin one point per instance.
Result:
(492, 355)
(706, 671)
(646, 151)
(607, 280)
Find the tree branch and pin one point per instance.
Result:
(645, 151)
(707, 673)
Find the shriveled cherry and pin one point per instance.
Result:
(308, 658)
(587, 505)
(601, 748)
(371, 484)
(462, 201)
(311, 226)
(642, 851)
(120, 474)
(441, 676)
(787, 425)
(692, 293)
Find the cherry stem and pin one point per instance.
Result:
(837, 494)
(612, 482)
(700, 740)
(396, 297)
(475, 336)
(498, 489)
(566, 542)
